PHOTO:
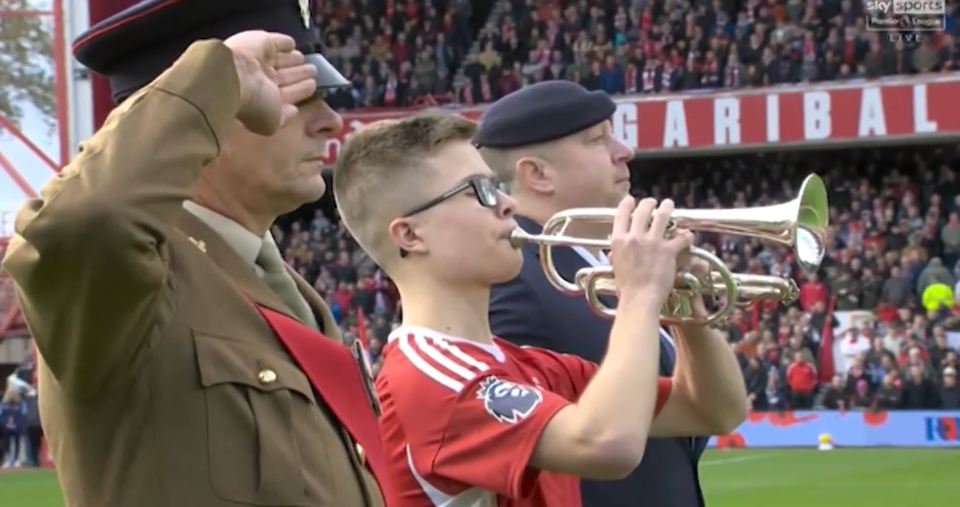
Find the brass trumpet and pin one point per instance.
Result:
(800, 223)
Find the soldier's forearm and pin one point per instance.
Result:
(146, 159)
(95, 234)
(709, 371)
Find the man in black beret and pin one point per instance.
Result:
(553, 147)
(182, 363)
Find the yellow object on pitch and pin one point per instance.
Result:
(826, 442)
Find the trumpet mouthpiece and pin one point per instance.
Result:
(518, 237)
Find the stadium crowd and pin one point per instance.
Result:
(411, 52)
(396, 53)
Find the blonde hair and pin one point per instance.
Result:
(371, 179)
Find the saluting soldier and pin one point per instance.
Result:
(182, 363)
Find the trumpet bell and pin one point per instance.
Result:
(813, 217)
(800, 223)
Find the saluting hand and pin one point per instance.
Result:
(274, 77)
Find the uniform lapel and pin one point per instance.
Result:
(225, 257)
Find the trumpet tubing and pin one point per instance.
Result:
(800, 223)
(766, 287)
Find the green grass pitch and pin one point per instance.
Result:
(730, 478)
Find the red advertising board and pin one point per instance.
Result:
(910, 108)
(790, 116)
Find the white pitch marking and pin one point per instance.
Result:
(737, 459)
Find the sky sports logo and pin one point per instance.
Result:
(905, 15)
(907, 6)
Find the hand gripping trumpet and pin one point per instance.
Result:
(800, 224)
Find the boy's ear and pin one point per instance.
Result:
(404, 235)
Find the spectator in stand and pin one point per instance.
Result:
(854, 374)
(862, 399)
(934, 273)
(13, 414)
(939, 349)
(819, 318)
(611, 76)
(887, 365)
(33, 430)
(847, 291)
(897, 290)
(890, 393)
(22, 382)
(951, 360)
(919, 391)
(776, 394)
(875, 356)
(797, 345)
(949, 390)
(871, 287)
(802, 380)
(915, 358)
(833, 395)
(950, 237)
(755, 377)
(854, 344)
(813, 291)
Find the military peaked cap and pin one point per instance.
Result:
(134, 46)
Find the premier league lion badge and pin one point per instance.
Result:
(507, 401)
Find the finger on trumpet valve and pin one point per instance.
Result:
(689, 282)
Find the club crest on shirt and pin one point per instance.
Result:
(507, 401)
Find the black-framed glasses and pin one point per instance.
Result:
(484, 187)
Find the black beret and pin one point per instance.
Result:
(134, 46)
(542, 112)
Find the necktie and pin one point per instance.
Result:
(276, 277)
(667, 355)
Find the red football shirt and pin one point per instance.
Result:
(460, 420)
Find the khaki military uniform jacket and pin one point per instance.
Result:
(160, 382)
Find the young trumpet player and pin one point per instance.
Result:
(469, 419)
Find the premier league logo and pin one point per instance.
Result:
(506, 401)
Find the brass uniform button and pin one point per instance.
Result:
(267, 376)
(361, 454)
